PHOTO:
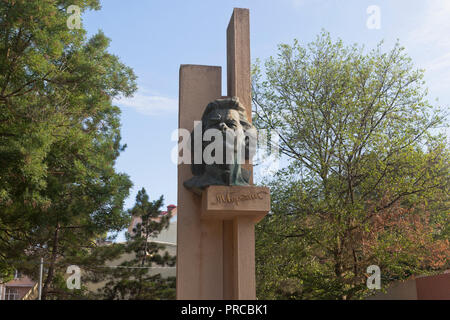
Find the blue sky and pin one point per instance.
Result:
(155, 36)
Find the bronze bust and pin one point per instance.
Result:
(227, 118)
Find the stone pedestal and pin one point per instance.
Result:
(239, 207)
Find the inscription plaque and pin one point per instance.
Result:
(228, 202)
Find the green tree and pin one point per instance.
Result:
(133, 279)
(59, 138)
(368, 174)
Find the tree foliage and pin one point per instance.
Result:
(134, 278)
(59, 137)
(368, 174)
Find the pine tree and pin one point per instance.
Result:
(133, 278)
(59, 139)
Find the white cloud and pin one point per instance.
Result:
(431, 37)
(439, 63)
(148, 104)
(434, 28)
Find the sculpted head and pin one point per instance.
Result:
(226, 114)
(226, 119)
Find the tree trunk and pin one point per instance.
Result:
(51, 268)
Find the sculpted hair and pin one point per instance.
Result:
(227, 103)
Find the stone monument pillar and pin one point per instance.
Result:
(215, 240)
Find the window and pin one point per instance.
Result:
(11, 293)
(17, 275)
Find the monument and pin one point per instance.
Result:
(218, 205)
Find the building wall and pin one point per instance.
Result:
(435, 287)
(399, 291)
(23, 285)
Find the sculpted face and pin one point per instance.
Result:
(224, 119)
(228, 122)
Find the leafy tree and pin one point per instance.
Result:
(133, 278)
(59, 138)
(368, 174)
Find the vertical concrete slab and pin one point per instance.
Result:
(238, 283)
(199, 243)
(244, 259)
(239, 64)
(238, 58)
(228, 260)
